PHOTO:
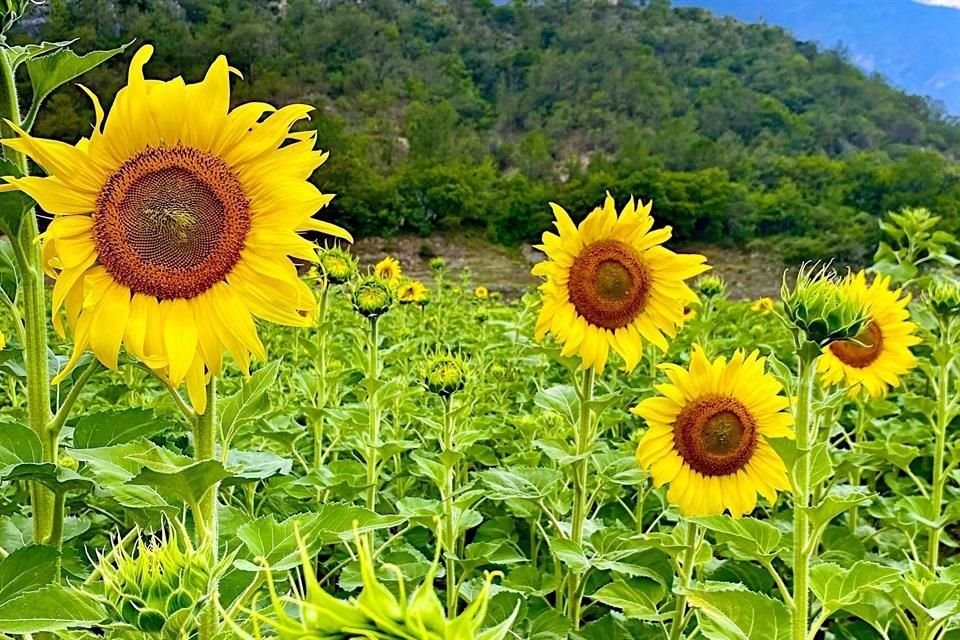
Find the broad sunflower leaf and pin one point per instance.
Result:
(838, 588)
(248, 404)
(50, 608)
(27, 569)
(561, 399)
(108, 428)
(731, 612)
(56, 478)
(529, 483)
(636, 598)
(189, 483)
(18, 443)
(13, 204)
(746, 538)
(58, 67)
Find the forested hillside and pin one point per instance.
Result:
(443, 115)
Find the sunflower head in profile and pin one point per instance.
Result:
(389, 270)
(707, 434)
(609, 284)
(880, 354)
(174, 224)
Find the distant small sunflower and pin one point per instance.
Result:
(388, 269)
(877, 358)
(707, 434)
(611, 285)
(762, 305)
(481, 292)
(411, 292)
(689, 314)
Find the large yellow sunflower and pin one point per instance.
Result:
(707, 434)
(876, 359)
(174, 224)
(611, 285)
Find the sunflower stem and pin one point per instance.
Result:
(449, 515)
(34, 315)
(940, 444)
(801, 524)
(373, 409)
(859, 434)
(692, 538)
(583, 440)
(322, 380)
(205, 512)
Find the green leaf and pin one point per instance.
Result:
(636, 598)
(57, 479)
(821, 465)
(108, 428)
(48, 609)
(9, 271)
(529, 483)
(838, 588)
(731, 612)
(561, 399)
(746, 538)
(276, 542)
(18, 444)
(250, 403)
(14, 205)
(27, 569)
(58, 67)
(250, 466)
(189, 483)
(17, 55)
(570, 554)
(839, 500)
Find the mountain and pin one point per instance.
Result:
(910, 42)
(473, 115)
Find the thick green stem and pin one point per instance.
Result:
(940, 445)
(685, 576)
(583, 436)
(205, 514)
(322, 380)
(449, 512)
(34, 316)
(801, 500)
(859, 434)
(373, 409)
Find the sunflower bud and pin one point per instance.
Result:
(943, 297)
(817, 306)
(159, 586)
(377, 612)
(445, 374)
(68, 462)
(372, 297)
(711, 286)
(338, 265)
(438, 264)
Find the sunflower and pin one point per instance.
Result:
(174, 225)
(763, 305)
(411, 292)
(388, 269)
(876, 359)
(707, 434)
(611, 285)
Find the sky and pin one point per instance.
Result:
(914, 43)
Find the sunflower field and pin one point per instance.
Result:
(218, 425)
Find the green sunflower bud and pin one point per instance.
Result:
(377, 613)
(437, 264)
(711, 286)
(817, 306)
(372, 297)
(445, 374)
(160, 582)
(338, 265)
(943, 297)
(68, 461)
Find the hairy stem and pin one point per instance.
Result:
(583, 436)
(801, 500)
(205, 514)
(373, 408)
(685, 576)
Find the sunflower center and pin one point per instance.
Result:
(863, 350)
(715, 435)
(171, 222)
(609, 284)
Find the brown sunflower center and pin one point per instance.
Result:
(171, 222)
(862, 351)
(715, 435)
(609, 284)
